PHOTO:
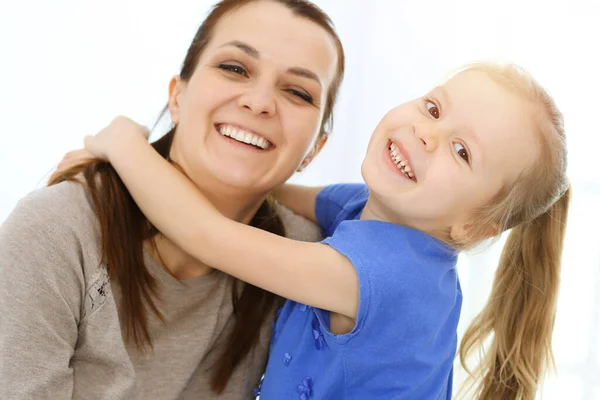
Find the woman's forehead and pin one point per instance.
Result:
(280, 36)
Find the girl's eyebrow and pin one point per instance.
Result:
(478, 158)
(467, 130)
(443, 94)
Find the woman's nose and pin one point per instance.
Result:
(259, 99)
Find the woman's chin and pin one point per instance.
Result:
(234, 177)
(214, 167)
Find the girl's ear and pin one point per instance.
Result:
(463, 232)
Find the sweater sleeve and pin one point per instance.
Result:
(41, 287)
(298, 227)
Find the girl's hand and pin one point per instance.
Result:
(71, 159)
(117, 135)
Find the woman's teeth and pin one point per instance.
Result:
(244, 136)
(402, 165)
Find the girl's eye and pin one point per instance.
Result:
(432, 109)
(236, 69)
(462, 151)
(304, 96)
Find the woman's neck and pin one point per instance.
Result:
(234, 204)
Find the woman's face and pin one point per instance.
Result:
(253, 107)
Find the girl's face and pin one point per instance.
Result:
(462, 143)
(253, 107)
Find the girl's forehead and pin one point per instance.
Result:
(468, 79)
(498, 122)
(477, 98)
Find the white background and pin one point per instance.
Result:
(67, 67)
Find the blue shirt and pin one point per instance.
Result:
(404, 340)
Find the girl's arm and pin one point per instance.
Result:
(299, 199)
(309, 273)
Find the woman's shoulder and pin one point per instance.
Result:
(59, 219)
(66, 203)
(298, 227)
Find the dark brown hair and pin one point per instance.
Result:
(124, 228)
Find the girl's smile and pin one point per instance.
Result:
(399, 157)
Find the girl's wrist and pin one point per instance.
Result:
(128, 143)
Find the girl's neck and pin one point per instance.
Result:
(235, 204)
(377, 210)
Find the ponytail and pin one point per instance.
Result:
(518, 319)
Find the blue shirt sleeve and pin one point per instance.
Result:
(409, 301)
(336, 203)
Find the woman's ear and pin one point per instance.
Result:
(321, 140)
(175, 91)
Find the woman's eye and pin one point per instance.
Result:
(461, 151)
(304, 96)
(432, 109)
(236, 69)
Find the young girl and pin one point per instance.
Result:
(373, 309)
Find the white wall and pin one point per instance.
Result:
(67, 67)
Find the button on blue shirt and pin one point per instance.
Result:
(404, 340)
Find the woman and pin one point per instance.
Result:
(95, 303)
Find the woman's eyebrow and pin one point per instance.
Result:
(245, 47)
(254, 53)
(304, 73)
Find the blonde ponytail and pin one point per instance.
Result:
(513, 334)
(519, 316)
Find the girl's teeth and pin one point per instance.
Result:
(401, 164)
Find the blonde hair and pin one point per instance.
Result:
(517, 321)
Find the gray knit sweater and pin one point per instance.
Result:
(60, 336)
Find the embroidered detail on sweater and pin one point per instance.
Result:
(96, 294)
